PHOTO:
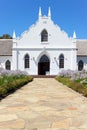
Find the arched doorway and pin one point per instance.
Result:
(43, 65)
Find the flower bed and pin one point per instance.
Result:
(11, 81)
(75, 80)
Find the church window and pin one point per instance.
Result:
(61, 61)
(44, 36)
(26, 61)
(8, 65)
(80, 65)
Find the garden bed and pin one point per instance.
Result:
(11, 81)
(76, 81)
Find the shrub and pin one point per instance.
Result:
(11, 80)
(74, 75)
(64, 80)
(66, 73)
(74, 84)
(3, 91)
(10, 87)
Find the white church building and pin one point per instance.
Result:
(44, 49)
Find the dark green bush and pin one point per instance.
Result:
(75, 85)
(11, 83)
(64, 80)
(3, 91)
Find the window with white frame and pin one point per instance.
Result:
(44, 36)
(80, 65)
(26, 61)
(7, 65)
(61, 61)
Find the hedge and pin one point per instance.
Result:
(13, 84)
(77, 86)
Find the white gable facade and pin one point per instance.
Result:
(44, 49)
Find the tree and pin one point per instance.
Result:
(5, 36)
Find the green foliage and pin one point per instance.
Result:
(74, 84)
(5, 36)
(3, 91)
(64, 80)
(9, 84)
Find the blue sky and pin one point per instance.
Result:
(19, 15)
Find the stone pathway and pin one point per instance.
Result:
(44, 104)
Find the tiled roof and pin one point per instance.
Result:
(6, 47)
(81, 47)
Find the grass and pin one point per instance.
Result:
(9, 84)
(79, 85)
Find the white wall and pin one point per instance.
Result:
(30, 43)
(35, 55)
(56, 37)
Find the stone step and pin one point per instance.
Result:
(44, 76)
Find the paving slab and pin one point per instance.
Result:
(44, 104)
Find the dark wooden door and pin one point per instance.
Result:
(43, 67)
